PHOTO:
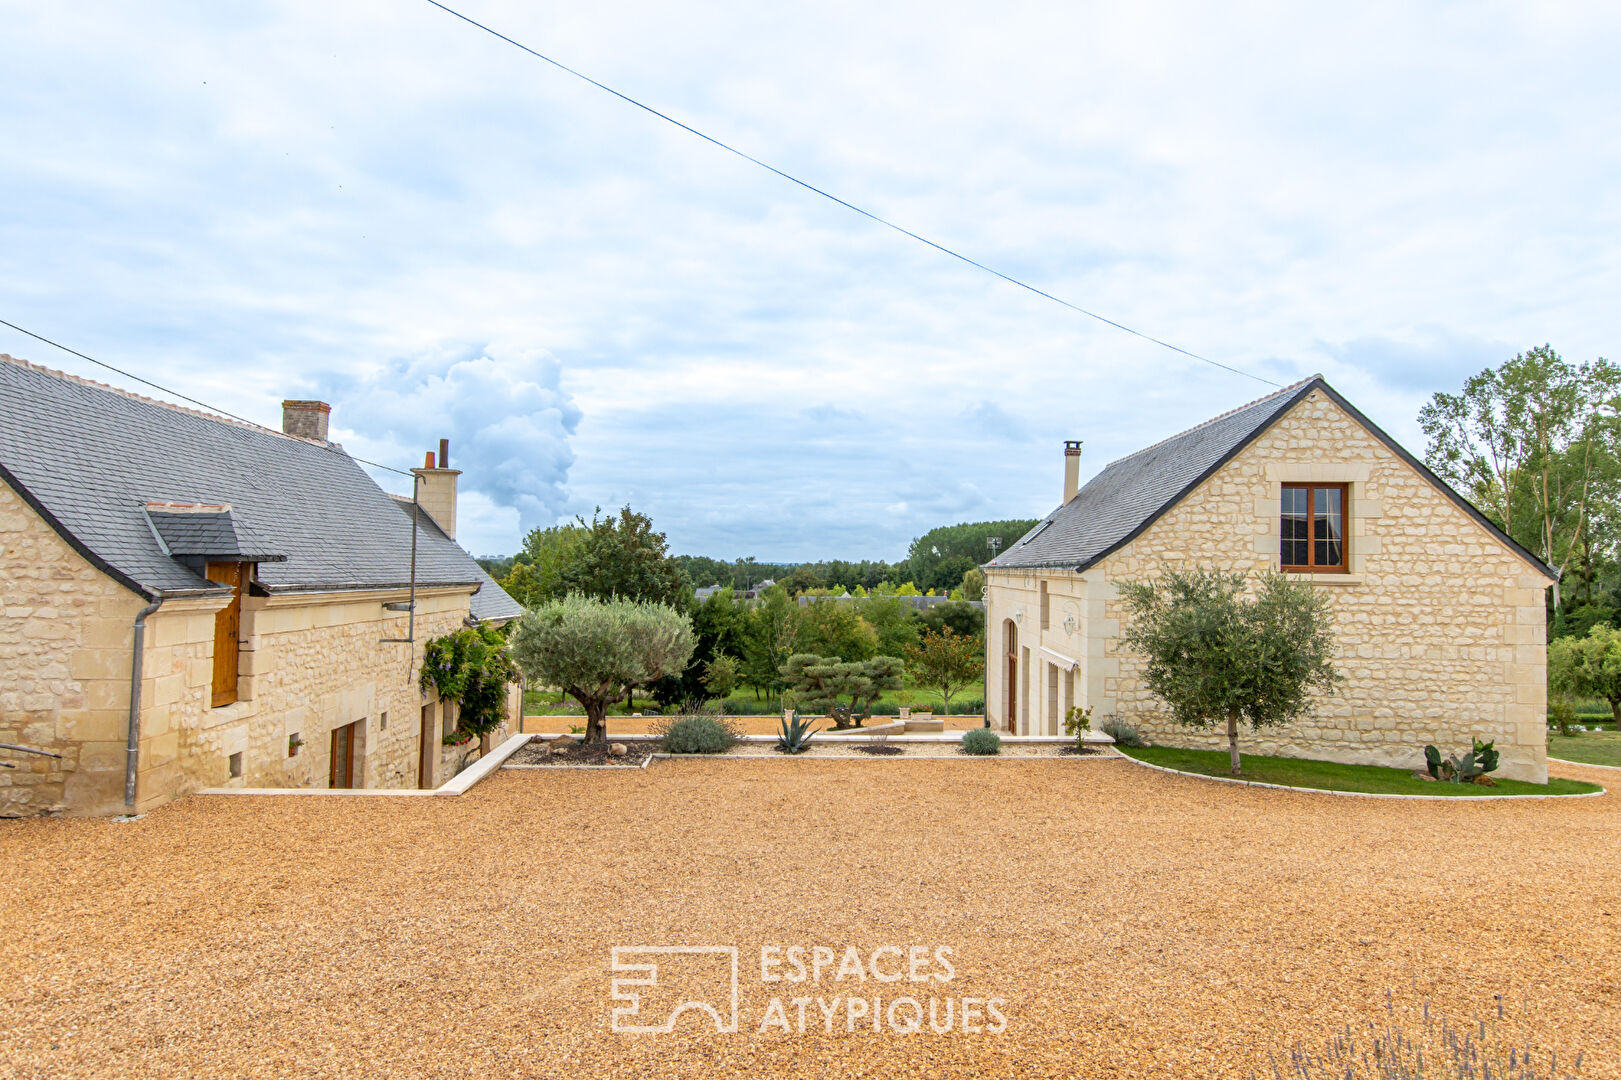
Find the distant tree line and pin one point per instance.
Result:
(770, 645)
(935, 562)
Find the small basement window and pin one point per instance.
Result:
(236, 764)
(1312, 528)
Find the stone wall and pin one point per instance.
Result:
(1440, 627)
(308, 664)
(64, 669)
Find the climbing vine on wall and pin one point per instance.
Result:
(471, 667)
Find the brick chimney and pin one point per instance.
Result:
(436, 488)
(306, 419)
(1072, 468)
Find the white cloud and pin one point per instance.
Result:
(503, 410)
(254, 201)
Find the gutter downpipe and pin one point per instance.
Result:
(132, 757)
(411, 607)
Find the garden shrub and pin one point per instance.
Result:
(702, 733)
(472, 667)
(1121, 732)
(981, 741)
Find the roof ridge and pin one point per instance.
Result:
(1220, 416)
(93, 384)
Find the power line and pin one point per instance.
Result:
(175, 393)
(847, 205)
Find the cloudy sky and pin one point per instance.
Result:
(376, 204)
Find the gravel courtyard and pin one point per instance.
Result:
(1136, 924)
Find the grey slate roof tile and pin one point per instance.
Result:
(91, 458)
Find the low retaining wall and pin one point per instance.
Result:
(456, 785)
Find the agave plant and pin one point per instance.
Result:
(793, 737)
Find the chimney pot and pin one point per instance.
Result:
(306, 419)
(444, 453)
(1072, 468)
(427, 460)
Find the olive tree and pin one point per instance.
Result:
(592, 649)
(1217, 651)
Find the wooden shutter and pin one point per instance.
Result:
(227, 631)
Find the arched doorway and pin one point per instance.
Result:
(1010, 637)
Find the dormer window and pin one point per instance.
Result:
(1312, 527)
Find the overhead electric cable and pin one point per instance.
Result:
(847, 205)
(175, 393)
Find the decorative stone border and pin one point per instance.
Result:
(1096, 738)
(459, 784)
(1363, 794)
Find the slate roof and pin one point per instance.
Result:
(90, 459)
(207, 531)
(1132, 493)
(490, 602)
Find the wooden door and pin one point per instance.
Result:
(343, 757)
(227, 632)
(1010, 633)
(430, 744)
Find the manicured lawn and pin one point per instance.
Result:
(1333, 776)
(1594, 748)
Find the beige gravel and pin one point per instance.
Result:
(1138, 924)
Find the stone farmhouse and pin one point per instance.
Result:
(188, 602)
(1439, 615)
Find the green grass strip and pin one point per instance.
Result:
(1334, 776)
(1592, 747)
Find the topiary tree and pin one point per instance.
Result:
(593, 649)
(946, 661)
(1216, 652)
(822, 682)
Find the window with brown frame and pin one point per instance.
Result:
(1312, 527)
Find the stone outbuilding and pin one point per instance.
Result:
(189, 601)
(1438, 614)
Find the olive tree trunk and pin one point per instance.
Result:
(1232, 739)
(596, 722)
(1615, 712)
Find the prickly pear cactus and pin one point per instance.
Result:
(1432, 761)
